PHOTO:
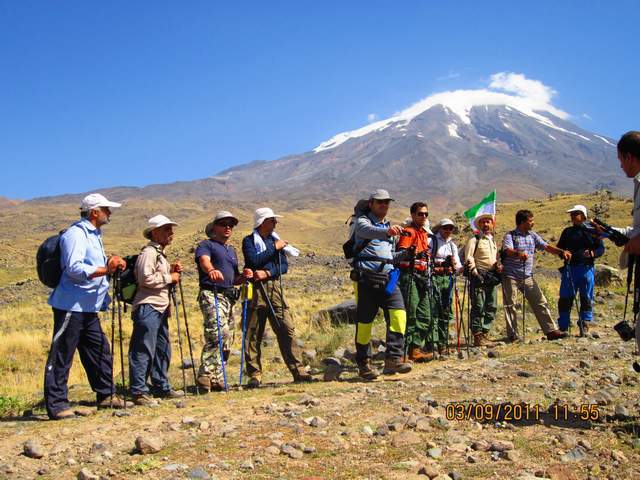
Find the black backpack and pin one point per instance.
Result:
(48, 262)
(127, 286)
(360, 209)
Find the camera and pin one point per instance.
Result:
(625, 330)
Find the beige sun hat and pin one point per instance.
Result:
(156, 222)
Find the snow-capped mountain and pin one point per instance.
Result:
(450, 149)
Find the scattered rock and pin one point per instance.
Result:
(618, 456)
(430, 470)
(523, 373)
(318, 422)
(441, 423)
(85, 474)
(33, 449)
(481, 446)
(198, 473)
(309, 401)
(604, 275)
(434, 452)
(501, 446)
(492, 354)
(291, 451)
(247, 465)
(574, 455)
(621, 412)
(147, 445)
(367, 430)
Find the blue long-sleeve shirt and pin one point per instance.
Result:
(267, 260)
(81, 254)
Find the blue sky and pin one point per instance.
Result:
(96, 94)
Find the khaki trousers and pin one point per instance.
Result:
(536, 300)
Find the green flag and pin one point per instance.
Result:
(486, 206)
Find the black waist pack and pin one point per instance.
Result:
(375, 280)
(490, 278)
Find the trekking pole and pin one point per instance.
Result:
(268, 302)
(184, 375)
(456, 299)
(113, 337)
(449, 302)
(524, 307)
(630, 265)
(124, 387)
(245, 304)
(468, 330)
(220, 342)
(574, 300)
(186, 328)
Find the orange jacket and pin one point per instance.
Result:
(418, 237)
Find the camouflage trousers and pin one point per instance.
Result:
(210, 363)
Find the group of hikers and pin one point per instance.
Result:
(409, 271)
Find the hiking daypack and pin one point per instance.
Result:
(127, 287)
(48, 262)
(361, 208)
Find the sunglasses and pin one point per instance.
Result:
(575, 214)
(226, 224)
(447, 227)
(383, 202)
(422, 214)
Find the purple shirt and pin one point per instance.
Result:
(223, 258)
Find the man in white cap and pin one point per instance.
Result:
(578, 274)
(150, 347)
(374, 256)
(481, 257)
(81, 293)
(446, 264)
(264, 254)
(218, 272)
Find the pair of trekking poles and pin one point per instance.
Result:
(245, 303)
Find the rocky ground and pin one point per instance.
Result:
(396, 427)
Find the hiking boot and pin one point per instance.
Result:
(478, 339)
(115, 401)
(63, 414)
(584, 325)
(144, 400)
(203, 383)
(366, 370)
(169, 394)
(556, 335)
(417, 355)
(254, 382)
(395, 365)
(300, 375)
(217, 385)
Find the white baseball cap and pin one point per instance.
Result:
(261, 214)
(156, 222)
(578, 208)
(96, 200)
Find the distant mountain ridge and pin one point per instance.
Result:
(449, 149)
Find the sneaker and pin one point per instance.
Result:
(254, 382)
(395, 365)
(144, 400)
(115, 401)
(63, 414)
(169, 394)
(556, 335)
(417, 355)
(366, 370)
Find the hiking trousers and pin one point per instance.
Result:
(368, 301)
(537, 302)
(484, 305)
(575, 279)
(442, 311)
(418, 307)
(282, 325)
(71, 331)
(210, 361)
(149, 350)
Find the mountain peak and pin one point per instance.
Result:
(512, 90)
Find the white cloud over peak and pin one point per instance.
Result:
(509, 89)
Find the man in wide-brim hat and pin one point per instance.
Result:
(150, 347)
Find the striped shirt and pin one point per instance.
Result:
(522, 242)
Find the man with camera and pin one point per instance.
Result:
(414, 283)
(373, 264)
(481, 263)
(446, 264)
(629, 156)
(578, 274)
